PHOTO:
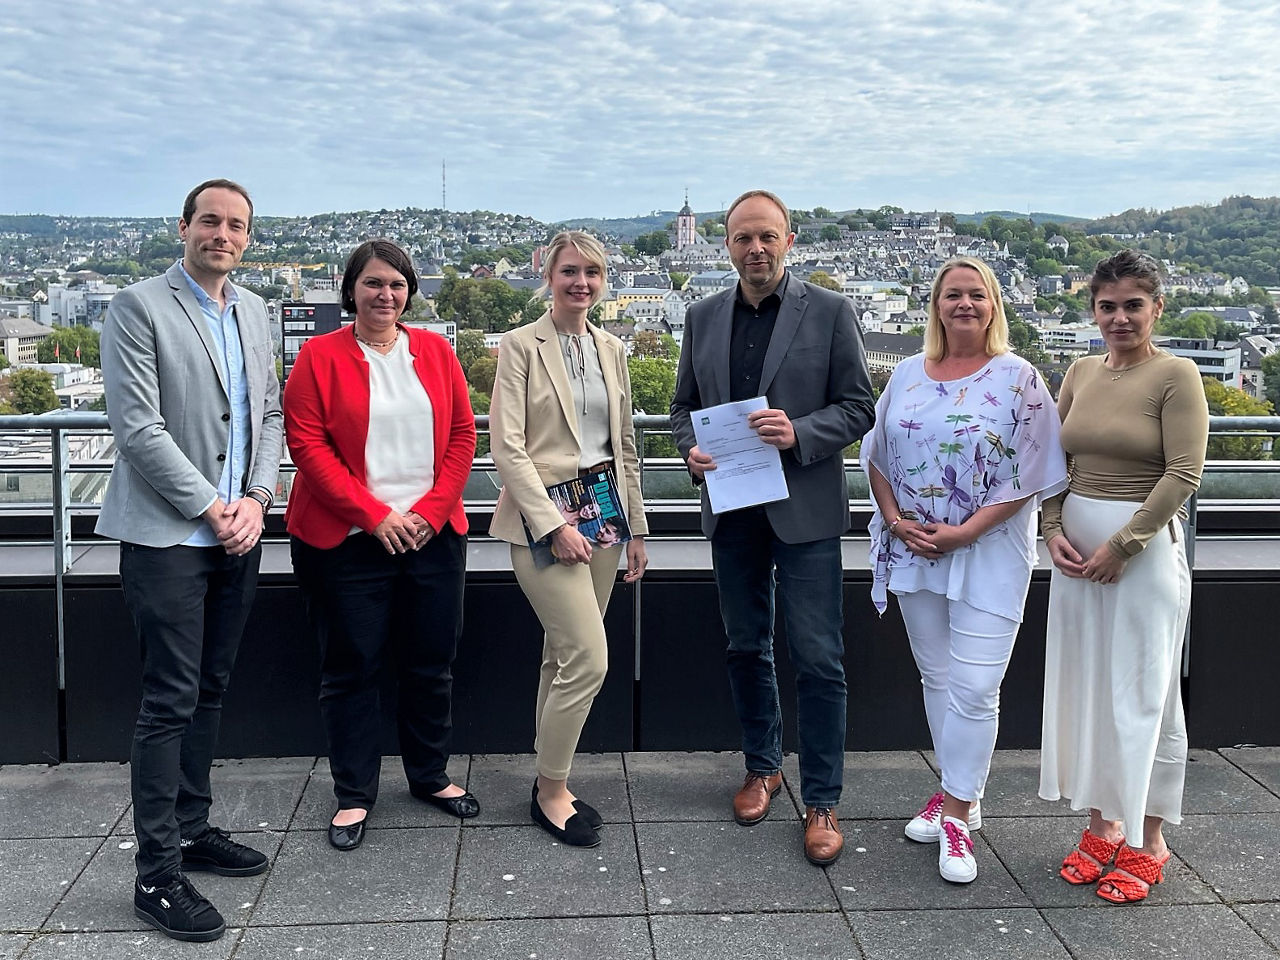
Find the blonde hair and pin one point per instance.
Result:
(587, 246)
(935, 334)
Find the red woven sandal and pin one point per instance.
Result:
(1133, 876)
(1086, 862)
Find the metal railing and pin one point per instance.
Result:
(61, 425)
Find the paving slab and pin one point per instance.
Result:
(1234, 854)
(889, 785)
(396, 807)
(383, 941)
(102, 896)
(516, 872)
(696, 786)
(577, 938)
(36, 876)
(1217, 786)
(257, 794)
(1264, 918)
(881, 869)
(70, 800)
(723, 868)
(771, 936)
(135, 945)
(11, 945)
(396, 874)
(1013, 785)
(503, 784)
(1016, 934)
(1157, 933)
(1261, 763)
(1033, 849)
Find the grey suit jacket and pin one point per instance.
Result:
(170, 412)
(815, 371)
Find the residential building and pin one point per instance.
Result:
(1219, 361)
(20, 338)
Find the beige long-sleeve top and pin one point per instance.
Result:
(1139, 435)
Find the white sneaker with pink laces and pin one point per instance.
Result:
(925, 826)
(955, 852)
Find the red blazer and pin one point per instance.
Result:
(326, 417)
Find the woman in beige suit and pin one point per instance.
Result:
(561, 408)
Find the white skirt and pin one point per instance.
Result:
(1114, 736)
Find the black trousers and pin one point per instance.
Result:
(189, 607)
(370, 610)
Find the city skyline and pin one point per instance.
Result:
(586, 109)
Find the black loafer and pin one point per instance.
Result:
(589, 813)
(348, 837)
(576, 833)
(464, 806)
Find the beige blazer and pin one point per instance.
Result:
(534, 430)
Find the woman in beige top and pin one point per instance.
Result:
(1134, 425)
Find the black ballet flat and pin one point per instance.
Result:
(348, 837)
(576, 833)
(589, 813)
(464, 806)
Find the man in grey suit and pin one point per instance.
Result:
(194, 406)
(799, 346)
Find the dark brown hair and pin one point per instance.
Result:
(390, 254)
(189, 205)
(1127, 264)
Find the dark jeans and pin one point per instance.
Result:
(366, 606)
(747, 558)
(189, 606)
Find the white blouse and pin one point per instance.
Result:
(399, 452)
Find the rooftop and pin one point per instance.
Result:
(675, 877)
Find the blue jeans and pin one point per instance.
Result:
(749, 559)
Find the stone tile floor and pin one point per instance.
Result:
(674, 878)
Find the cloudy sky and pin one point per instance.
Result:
(567, 108)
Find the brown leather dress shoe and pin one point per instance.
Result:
(751, 803)
(822, 838)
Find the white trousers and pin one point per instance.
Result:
(962, 654)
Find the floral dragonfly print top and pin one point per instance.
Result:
(949, 448)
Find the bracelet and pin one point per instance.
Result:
(894, 522)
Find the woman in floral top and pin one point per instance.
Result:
(964, 447)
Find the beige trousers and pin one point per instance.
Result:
(570, 602)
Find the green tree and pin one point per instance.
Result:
(678, 280)
(1197, 324)
(823, 279)
(1225, 401)
(653, 382)
(1024, 338)
(830, 233)
(653, 244)
(480, 407)
(4, 362)
(648, 344)
(1271, 378)
(470, 347)
(822, 213)
(67, 340)
(915, 330)
(31, 391)
(481, 374)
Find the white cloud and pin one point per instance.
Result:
(594, 108)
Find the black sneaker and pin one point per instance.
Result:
(178, 910)
(216, 852)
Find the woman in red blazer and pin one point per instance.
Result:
(381, 429)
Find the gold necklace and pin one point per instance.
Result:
(379, 344)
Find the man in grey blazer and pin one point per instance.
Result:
(799, 346)
(194, 407)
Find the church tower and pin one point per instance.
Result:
(686, 225)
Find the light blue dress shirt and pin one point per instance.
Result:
(229, 356)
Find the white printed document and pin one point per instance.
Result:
(748, 471)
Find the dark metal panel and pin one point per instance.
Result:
(29, 678)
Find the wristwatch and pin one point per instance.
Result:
(261, 495)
